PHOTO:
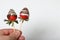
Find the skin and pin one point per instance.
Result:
(10, 34)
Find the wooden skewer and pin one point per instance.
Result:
(13, 26)
(21, 24)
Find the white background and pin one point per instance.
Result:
(44, 23)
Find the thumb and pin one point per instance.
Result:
(15, 35)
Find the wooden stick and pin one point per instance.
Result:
(13, 26)
(21, 24)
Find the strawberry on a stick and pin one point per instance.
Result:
(11, 17)
(24, 15)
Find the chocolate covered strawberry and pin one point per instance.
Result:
(11, 16)
(24, 15)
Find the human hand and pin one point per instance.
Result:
(10, 34)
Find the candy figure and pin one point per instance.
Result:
(11, 17)
(24, 15)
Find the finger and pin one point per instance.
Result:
(3, 31)
(12, 30)
(7, 31)
(15, 35)
(22, 38)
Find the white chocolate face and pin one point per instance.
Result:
(24, 11)
(11, 12)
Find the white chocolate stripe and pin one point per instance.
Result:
(24, 14)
